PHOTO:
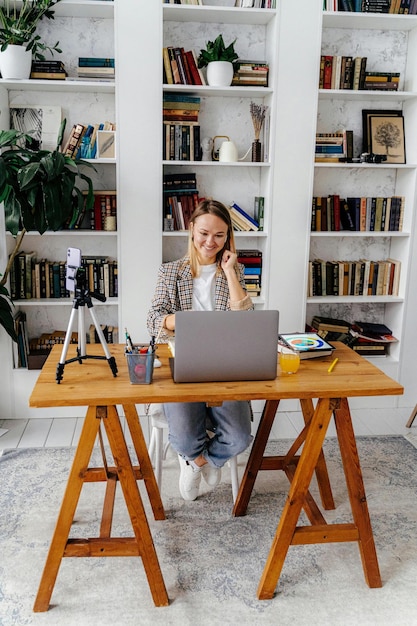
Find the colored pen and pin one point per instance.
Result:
(332, 366)
(129, 344)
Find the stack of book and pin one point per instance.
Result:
(250, 73)
(110, 333)
(334, 147)
(383, 81)
(181, 129)
(180, 199)
(95, 67)
(48, 70)
(371, 339)
(371, 214)
(241, 220)
(180, 67)
(252, 261)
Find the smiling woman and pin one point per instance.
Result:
(208, 278)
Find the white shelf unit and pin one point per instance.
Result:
(389, 43)
(225, 111)
(81, 101)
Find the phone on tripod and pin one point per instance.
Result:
(73, 264)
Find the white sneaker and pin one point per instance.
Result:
(190, 479)
(212, 475)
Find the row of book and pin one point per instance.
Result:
(336, 146)
(194, 2)
(103, 215)
(85, 141)
(250, 73)
(348, 72)
(396, 7)
(251, 259)
(354, 278)
(31, 277)
(180, 67)
(366, 214)
(180, 198)
(365, 338)
(181, 141)
(256, 4)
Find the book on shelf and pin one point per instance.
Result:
(248, 221)
(96, 72)
(251, 73)
(74, 140)
(307, 345)
(96, 62)
(251, 259)
(48, 70)
(180, 67)
(258, 211)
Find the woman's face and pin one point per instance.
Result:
(209, 236)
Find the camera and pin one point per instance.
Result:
(370, 157)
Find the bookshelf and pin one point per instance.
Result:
(80, 101)
(225, 111)
(387, 41)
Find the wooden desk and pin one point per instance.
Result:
(92, 384)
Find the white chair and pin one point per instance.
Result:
(157, 450)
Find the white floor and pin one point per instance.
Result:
(58, 432)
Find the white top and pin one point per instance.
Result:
(204, 288)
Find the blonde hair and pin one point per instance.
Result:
(210, 207)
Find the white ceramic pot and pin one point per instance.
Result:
(15, 62)
(220, 73)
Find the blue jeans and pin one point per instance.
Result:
(188, 423)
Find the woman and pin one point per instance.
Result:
(208, 278)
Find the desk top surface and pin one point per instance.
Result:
(93, 384)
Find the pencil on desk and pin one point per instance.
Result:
(332, 366)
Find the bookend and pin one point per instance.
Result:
(81, 299)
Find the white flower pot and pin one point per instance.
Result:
(15, 62)
(220, 73)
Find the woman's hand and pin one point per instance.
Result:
(229, 260)
(169, 321)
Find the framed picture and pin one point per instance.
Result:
(366, 133)
(387, 137)
(106, 144)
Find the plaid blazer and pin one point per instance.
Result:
(174, 292)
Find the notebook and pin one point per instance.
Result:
(308, 345)
(215, 346)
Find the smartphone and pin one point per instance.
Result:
(73, 263)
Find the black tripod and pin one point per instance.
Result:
(82, 298)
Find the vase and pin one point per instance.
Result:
(220, 73)
(15, 62)
(256, 151)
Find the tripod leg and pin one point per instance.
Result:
(61, 364)
(110, 359)
(82, 351)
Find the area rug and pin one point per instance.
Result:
(211, 562)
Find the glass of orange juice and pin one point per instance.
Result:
(289, 360)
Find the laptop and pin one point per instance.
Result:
(215, 346)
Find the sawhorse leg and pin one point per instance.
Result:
(140, 545)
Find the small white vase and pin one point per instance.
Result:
(15, 62)
(219, 73)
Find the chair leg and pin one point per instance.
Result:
(159, 453)
(412, 418)
(234, 476)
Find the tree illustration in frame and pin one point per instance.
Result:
(387, 137)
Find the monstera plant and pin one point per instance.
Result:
(40, 191)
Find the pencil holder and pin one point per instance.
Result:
(140, 366)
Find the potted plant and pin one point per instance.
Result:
(219, 60)
(39, 190)
(19, 41)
